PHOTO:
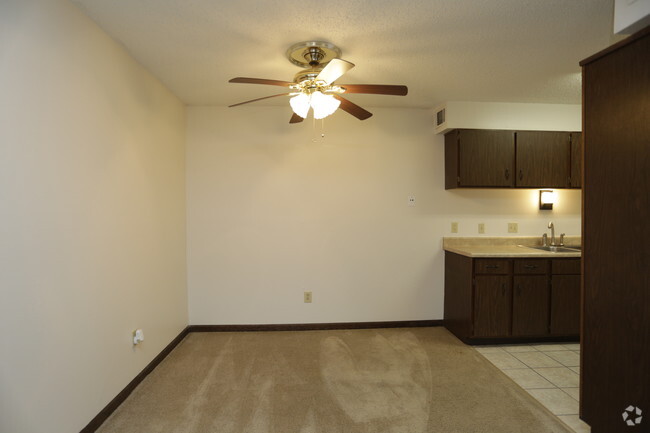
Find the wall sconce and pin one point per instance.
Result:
(547, 197)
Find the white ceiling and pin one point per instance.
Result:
(461, 50)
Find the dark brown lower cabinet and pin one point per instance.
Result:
(492, 294)
(565, 296)
(501, 299)
(530, 305)
(565, 302)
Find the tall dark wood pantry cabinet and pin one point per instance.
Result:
(615, 370)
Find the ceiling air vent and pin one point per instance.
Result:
(440, 117)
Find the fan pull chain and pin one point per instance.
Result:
(313, 129)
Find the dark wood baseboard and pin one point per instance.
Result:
(119, 399)
(314, 326)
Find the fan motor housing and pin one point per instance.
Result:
(313, 55)
(308, 74)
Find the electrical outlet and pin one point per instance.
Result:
(454, 227)
(307, 297)
(481, 228)
(513, 228)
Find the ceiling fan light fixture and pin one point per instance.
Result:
(300, 104)
(323, 105)
(314, 86)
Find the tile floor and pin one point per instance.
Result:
(549, 372)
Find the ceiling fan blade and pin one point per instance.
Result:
(296, 119)
(375, 89)
(353, 108)
(334, 69)
(246, 80)
(258, 99)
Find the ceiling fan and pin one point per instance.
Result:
(314, 86)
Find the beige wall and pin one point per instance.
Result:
(92, 217)
(274, 210)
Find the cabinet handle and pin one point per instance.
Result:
(521, 175)
(530, 266)
(518, 289)
(507, 174)
(503, 289)
(492, 267)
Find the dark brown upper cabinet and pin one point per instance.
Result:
(477, 158)
(543, 159)
(576, 160)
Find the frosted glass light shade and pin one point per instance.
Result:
(547, 198)
(300, 104)
(323, 105)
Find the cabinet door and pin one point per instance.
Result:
(565, 305)
(576, 160)
(543, 159)
(458, 295)
(486, 158)
(492, 295)
(530, 305)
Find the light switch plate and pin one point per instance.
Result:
(481, 228)
(454, 227)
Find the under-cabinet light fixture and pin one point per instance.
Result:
(547, 198)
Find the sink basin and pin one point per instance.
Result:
(557, 249)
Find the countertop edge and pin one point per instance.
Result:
(508, 252)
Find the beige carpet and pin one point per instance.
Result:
(407, 380)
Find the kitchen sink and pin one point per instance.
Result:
(557, 249)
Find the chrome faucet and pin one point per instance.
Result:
(552, 227)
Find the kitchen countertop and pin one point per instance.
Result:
(506, 246)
